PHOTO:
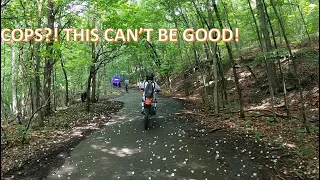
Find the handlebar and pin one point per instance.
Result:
(157, 91)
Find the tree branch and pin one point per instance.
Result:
(157, 61)
(35, 112)
(103, 62)
(3, 4)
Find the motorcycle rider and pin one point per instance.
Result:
(143, 86)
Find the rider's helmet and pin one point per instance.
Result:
(149, 76)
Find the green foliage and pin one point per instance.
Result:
(17, 134)
(305, 151)
(278, 144)
(271, 55)
(257, 135)
(247, 119)
(136, 58)
(21, 132)
(248, 122)
(308, 54)
(60, 123)
(270, 120)
(233, 105)
(301, 131)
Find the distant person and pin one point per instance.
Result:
(149, 86)
(126, 83)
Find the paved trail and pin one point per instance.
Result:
(123, 150)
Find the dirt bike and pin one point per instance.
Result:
(149, 110)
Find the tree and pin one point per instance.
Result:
(295, 68)
(266, 44)
(49, 60)
(214, 59)
(234, 70)
(14, 86)
(37, 69)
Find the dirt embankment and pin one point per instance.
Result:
(288, 133)
(65, 130)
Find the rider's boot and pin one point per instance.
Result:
(154, 108)
(142, 108)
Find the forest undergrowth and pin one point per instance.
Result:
(285, 132)
(20, 149)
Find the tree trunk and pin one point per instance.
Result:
(186, 23)
(271, 92)
(256, 25)
(3, 111)
(284, 89)
(271, 89)
(21, 102)
(94, 86)
(278, 60)
(186, 83)
(304, 24)
(66, 81)
(214, 64)
(92, 72)
(89, 87)
(204, 95)
(223, 89)
(98, 86)
(13, 82)
(48, 62)
(4, 118)
(295, 68)
(104, 80)
(188, 56)
(216, 79)
(269, 23)
(237, 46)
(223, 83)
(31, 99)
(179, 45)
(266, 44)
(93, 75)
(37, 71)
(209, 59)
(236, 78)
(253, 75)
(54, 89)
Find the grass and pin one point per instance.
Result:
(257, 135)
(301, 131)
(232, 118)
(270, 121)
(311, 55)
(248, 122)
(305, 151)
(278, 144)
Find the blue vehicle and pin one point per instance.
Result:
(116, 81)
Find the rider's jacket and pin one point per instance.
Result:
(143, 85)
